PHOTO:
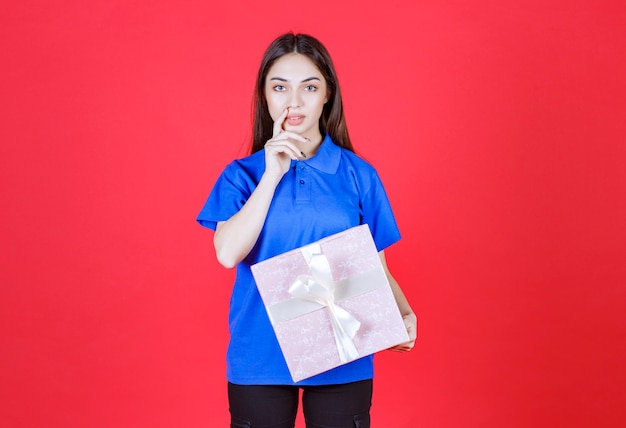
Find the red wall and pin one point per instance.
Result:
(497, 126)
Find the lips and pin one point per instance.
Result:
(294, 119)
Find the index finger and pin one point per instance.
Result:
(278, 124)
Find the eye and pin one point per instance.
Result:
(279, 88)
(310, 88)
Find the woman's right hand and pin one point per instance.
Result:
(235, 237)
(280, 150)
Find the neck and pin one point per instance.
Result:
(310, 147)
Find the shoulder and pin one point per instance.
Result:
(359, 171)
(251, 165)
(357, 165)
(331, 156)
(243, 174)
(356, 160)
(251, 162)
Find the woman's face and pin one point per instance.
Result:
(294, 82)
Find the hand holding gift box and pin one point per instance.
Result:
(330, 302)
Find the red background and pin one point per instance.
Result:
(497, 126)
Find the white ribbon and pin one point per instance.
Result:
(318, 289)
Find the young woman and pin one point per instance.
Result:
(302, 182)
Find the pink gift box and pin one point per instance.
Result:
(330, 302)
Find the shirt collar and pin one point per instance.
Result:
(327, 157)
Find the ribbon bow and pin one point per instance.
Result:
(319, 287)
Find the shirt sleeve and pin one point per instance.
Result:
(376, 212)
(229, 194)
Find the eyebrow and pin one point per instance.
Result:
(308, 79)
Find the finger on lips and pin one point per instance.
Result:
(281, 136)
(278, 125)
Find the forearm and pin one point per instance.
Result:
(408, 316)
(235, 237)
(401, 300)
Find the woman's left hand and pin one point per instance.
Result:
(410, 322)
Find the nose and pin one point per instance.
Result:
(295, 100)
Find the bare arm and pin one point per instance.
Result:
(235, 237)
(408, 316)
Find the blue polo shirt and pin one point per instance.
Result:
(326, 194)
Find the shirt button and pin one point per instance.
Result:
(301, 181)
(302, 168)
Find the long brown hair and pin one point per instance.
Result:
(332, 120)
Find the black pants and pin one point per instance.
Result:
(329, 406)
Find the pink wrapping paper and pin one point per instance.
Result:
(307, 337)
